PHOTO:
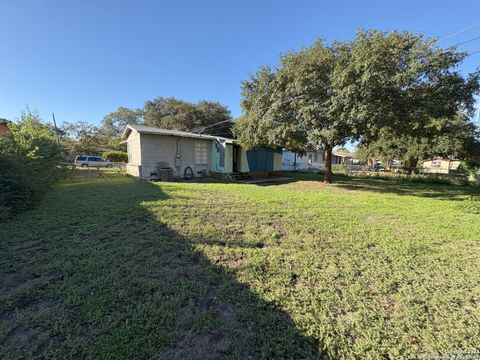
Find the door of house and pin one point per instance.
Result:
(236, 158)
(260, 159)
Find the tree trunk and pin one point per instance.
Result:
(328, 164)
(412, 164)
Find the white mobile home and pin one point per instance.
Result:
(311, 160)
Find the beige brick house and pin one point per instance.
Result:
(152, 149)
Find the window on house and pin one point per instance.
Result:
(201, 153)
(436, 164)
(221, 153)
(315, 157)
(310, 157)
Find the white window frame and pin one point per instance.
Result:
(436, 163)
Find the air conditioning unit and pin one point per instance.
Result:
(165, 174)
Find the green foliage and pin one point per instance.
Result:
(403, 82)
(472, 168)
(444, 179)
(415, 101)
(340, 169)
(116, 156)
(114, 123)
(30, 162)
(456, 137)
(471, 206)
(16, 194)
(82, 137)
(384, 89)
(171, 113)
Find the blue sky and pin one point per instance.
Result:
(83, 59)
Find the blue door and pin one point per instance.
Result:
(260, 159)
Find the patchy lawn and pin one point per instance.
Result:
(114, 268)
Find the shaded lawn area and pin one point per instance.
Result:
(114, 268)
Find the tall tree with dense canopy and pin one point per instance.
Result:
(394, 83)
(82, 137)
(452, 138)
(409, 95)
(206, 116)
(114, 123)
(297, 105)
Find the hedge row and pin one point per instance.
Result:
(116, 156)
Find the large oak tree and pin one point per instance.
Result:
(209, 117)
(397, 83)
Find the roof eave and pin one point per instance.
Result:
(128, 129)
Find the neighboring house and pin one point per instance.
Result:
(341, 158)
(151, 149)
(311, 160)
(4, 129)
(439, 165)
(314, 160)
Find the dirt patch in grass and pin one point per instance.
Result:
(197, 346)
(308, 185)
(214, 329)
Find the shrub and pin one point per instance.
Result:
(116, 156)
(15, 192)
(340, 169)
(471, 168)
(441, 179)
(30, 162)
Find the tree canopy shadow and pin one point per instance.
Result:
(394, 186)
(405, 188)
(119, 283)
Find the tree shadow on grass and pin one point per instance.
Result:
(121, 284)
(404, 188)
(394, 186)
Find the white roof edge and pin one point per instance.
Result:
(157, 131)
(340, 154)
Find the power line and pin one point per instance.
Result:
(473, 53)
(252, 112)
(203, 128)
(466, 42)
(459, 32)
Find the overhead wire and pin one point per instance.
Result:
(459, 32)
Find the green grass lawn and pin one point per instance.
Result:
(113, 268)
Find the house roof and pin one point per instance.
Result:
(3, 121)
(157, 131)
(344, 155)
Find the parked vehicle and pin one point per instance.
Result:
(92, 161)
(377, 168)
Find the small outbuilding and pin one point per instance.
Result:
(153, 151)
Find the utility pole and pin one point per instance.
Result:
(56, 128)
(54, 122)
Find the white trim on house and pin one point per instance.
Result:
(156, 131)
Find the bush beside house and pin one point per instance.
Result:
(116, 156)
(30, 163)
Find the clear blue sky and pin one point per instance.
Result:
(83, 59)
